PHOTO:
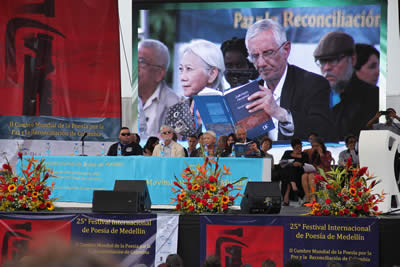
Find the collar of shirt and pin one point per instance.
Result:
(278, 89)
(154, 97)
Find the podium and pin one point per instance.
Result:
(377, 151)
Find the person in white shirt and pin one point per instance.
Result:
(168, 148)
(155, 97)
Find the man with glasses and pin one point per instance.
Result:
(155, 97)
(168, 148)
(125, 147)
(297, 100)
(353, 101)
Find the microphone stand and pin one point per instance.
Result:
(83, 145)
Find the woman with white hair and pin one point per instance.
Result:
(201, 70)
(210, 147)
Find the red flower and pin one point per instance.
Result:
(189, 186)
(34, 199)
(212, 179)
(375, 208)
(42, 206)
(359, 193)
(46, 176)
(38, 166)
(339, 194)
(15, 179)
(230, 186)
(358, 206)
(192, 196)
(326, 212)
(346, 198)
(204, 202)
(6, 167)
(184, 203)
(318, 213)
(28, 194)
(210, 206)
(327, 201)
(38, 187)
(365, 189)
(20, 197)
(178, 185)
(198, 199)
(224, 206)
(20, 188)
(215, 199)
(10, 198)
(355, 199)
(5, 188)
(191, 208)
(206, 196)
(231, 199)
(178, 206)
(346, 211)
(225, 188)
(358, 184)
(207, 186)
(45, 196)
(353, 214)
(341, 212)
(23, 205)
(349, 162)
(1, 198)
(366, 208)
(328, 186)
(362, 171)
(20, 155)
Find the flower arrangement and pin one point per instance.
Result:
(202, 189)
(26, 192)
(346, 192)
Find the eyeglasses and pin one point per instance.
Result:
(125, 134)
(143, 63)
(332, 62)
(266, 55)
(166, 132)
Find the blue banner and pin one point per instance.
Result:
(314, 241)
(77, 177)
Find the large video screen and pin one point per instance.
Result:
(323, 107)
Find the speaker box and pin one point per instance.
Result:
(138, 186)
(117, 202)
(261, 197)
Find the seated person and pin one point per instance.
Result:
(390, 115)
(209, 148)
(350, 141)
(230, 141)
(168, 148)
(127, 147)
(291, 170)
(320, 158)
(192, 143)
(266, 144)
(241, 137)
(149, 146)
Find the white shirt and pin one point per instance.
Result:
(288, 128)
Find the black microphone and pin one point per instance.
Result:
(83, 137)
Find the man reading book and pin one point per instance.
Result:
(297, 100)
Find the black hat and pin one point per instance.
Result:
(334, 44)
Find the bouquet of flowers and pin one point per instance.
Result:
(346, 192)
(202, 189)
(26, 192)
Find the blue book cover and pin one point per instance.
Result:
(222, 113)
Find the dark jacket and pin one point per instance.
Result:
(131, 149)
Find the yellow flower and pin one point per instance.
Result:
(212, 188)
(195, 187)
(225, 199)
(49, 205)
(182, 196)
(29, 186)
(11, 187)
(35, 194)
(353, 191)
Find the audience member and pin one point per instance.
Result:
(125, 145)
(168, 148)
(350, 152)
(297, 100)
(192, 144)
(241, 137)
(238, 70)
(320, 158)
(353, 101)
(367, 63)
(212, 261)
(155, 97)
(311, 137)
(148, 149)
(209, 147)
(293, 263)
(266, 144)
(174, 260)
(268, 263)
(390, 115)
(201, 70)
(222, 142)
(291, 171)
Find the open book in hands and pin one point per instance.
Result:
(286, 162)
(309, 168)
(222, 112)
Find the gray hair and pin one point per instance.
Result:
(211, 55)
(161, 51)
(164, 126)
(239, 127)
(212, 133)
(266, 24)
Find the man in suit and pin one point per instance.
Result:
(297, 100)
(155, 97)
(168, 148)
(352, 100)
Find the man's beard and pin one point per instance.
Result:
(341, 84)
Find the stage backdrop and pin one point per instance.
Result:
(59, 72)
(315, 241)
(305, 22)
(132, 239)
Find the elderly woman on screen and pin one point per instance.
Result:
(201, 69)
